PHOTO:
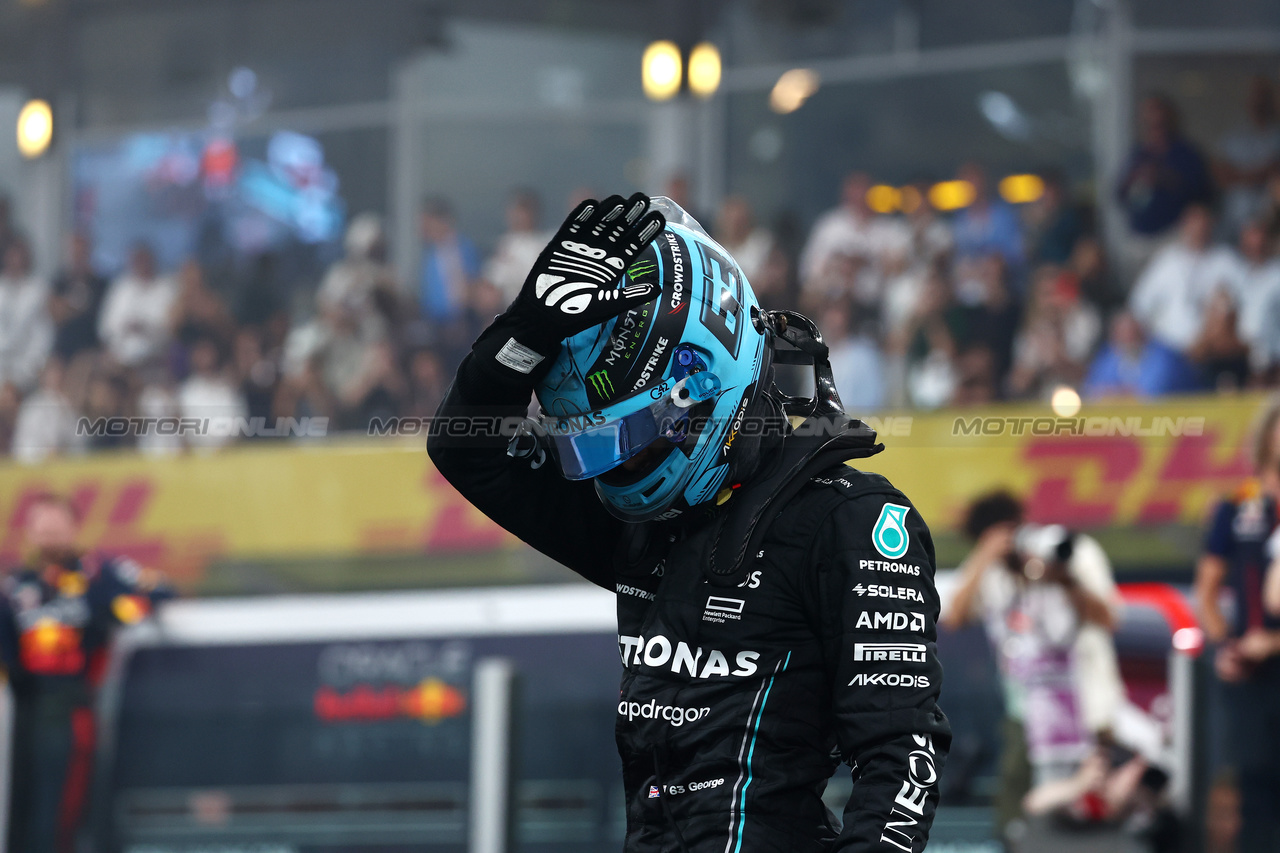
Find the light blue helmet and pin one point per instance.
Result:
(673, 377)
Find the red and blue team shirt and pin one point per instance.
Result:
(1238, 533)
(57, 618)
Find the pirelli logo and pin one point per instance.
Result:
(911, 652)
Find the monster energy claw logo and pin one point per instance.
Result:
(890, 533)
(640, 269)
(601, 382)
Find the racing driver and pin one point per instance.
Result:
(776, 606)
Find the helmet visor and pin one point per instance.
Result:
(588, 444)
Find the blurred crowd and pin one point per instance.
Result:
(922, 309)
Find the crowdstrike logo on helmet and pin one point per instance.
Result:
(677, 273)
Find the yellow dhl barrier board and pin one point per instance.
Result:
(1114, 465)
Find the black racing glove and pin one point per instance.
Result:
(573, 285)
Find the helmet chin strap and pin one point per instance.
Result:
(805, 347)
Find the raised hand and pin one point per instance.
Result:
(574, 283)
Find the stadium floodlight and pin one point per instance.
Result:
(793, 88)
(661, 70)
(951, 195)
(704, 69)
(1020, 189)
(883, 198)
(35, 128)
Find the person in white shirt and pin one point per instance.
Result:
(134, 325)
(46, 424)
(354, 282)
(1048, 601)
(519, 247)
(26, 329)
(210, 393)
(1173, 292)
(1255, 289)
(852, 229)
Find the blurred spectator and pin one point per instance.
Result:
(7, 231)
(1248, 657)
(77, 300)
(925, 344)
(851, 230)
(107, 397)
(988, 225)
(977, 379)
(305, 394)
(261, 294)
(931, 235)
(450, 265)
(1052, 223)
(1222, 358)
(856, 363)
(1248, 156)
(1255, 288)
(1048, 601)
(679, 189)
(46, 422)
(754, 248)
(198, 312)
(26, 331)
(1132, 365)
(58, 613)
(427, 384)
(157, 398)
(986, 313)
(1088, 263)
(377, 391)
(210, 394)
(362, 281)
(257, 373)
(1164, 174)
(137, 314)
(1059, 332)
(1172, 295)
(519, 247)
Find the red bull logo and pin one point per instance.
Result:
(51, 648)
(430, 701)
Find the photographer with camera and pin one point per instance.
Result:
(1048, 602)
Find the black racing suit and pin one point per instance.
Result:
(742, 693)
(56, 622)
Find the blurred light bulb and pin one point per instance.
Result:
(793, 88)
(35, 128)
(951, 195)
(660, 70)
(704, 69)
(1065, 401)
(883, 198)
(1020, 189)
